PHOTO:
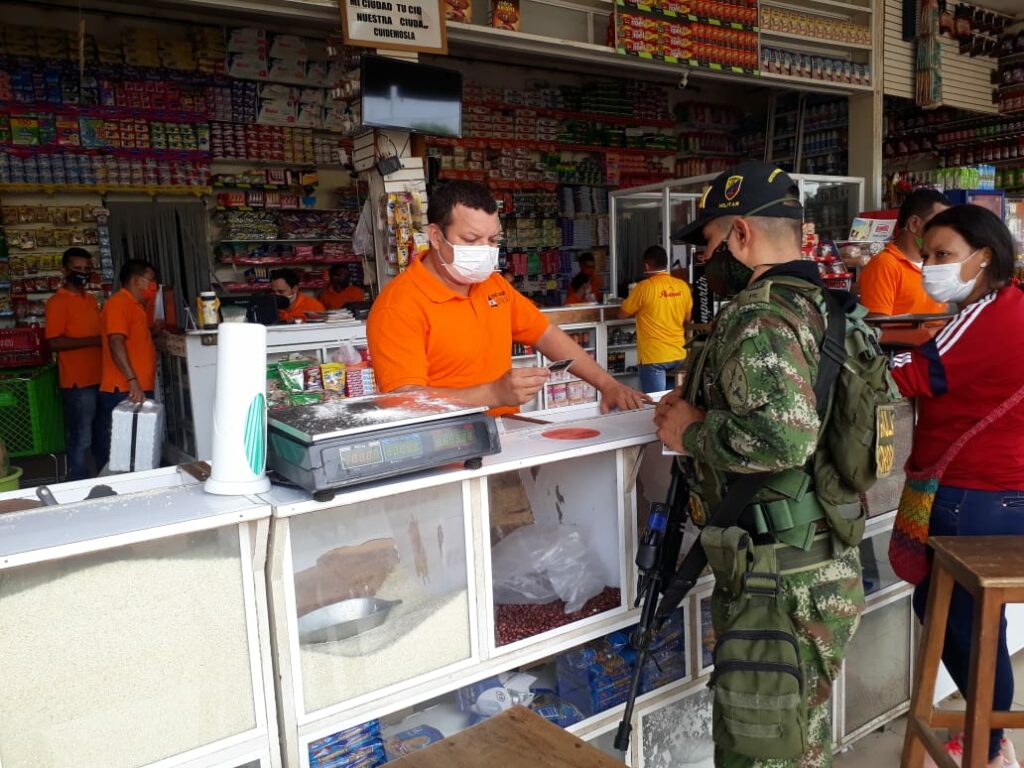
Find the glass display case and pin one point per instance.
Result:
(377, 594)
(571, 689)
(622, 356)
(877, 686)
(135, 626)
(644, 216)
(556, 545)
(678, 733)
(649, 215)
(565, 389)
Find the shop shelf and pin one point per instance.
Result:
(104, 189)
(692, 64)
(648, 10)
(814, 40)
(542, 146)
(708, 153)
(264, 163)
(112, 112)
(826, 3)
(290, 240)
(131, 153)
(621, 346)
(819, 85)
(607, 117)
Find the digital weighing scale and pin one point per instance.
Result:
(346, 442)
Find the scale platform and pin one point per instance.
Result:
(346, 442)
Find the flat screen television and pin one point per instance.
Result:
(411, 97)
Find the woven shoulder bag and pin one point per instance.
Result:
(908, 547)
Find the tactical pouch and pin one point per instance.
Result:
(728, 550)
(760, 706)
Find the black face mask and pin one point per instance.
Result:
(78, 279)
(726, 275)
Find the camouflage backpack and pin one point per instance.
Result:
(856, 404)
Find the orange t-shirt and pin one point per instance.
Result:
(77, 316)
(298, 310)
(332, 299)
(421, 333)
(590, 293)
(123, 315)
(891, 285)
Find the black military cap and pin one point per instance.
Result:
(751, 188)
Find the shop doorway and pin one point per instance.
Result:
(172, 236)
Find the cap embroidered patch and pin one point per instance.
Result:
(732, 187)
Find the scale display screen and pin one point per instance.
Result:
(361, 455)
(460, 436)
(401, 448)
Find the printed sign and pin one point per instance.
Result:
(391, 25)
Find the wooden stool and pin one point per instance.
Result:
(991, 568)
(516, 738)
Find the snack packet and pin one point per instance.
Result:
(333, 375)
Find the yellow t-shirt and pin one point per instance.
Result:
(661, 304)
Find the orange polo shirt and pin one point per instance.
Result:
(77, 316)
(123, 315)
(332, 299)
(421, 333)
(298, 310)
(571, 297)
(891, 285)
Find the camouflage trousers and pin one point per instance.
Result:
(824, 604)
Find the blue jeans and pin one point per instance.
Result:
(82, 433)
(105, 416)
(963, 512)
(652, 375)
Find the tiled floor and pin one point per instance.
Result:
(882, 748)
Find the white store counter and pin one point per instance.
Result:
(101, 599)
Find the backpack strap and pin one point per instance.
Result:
(833, 353)
(833, 342)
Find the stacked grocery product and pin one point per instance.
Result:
(780, 61)
(686, 31)
(358, 747)
(812, 25)
(349, 373)
(34, 239)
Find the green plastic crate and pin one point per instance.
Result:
(31, 415)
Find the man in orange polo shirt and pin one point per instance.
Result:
(449, 320)
(73, 332)
(340, 291)
(285, 283)
(891, 282)
(585, 287)
(129, 355)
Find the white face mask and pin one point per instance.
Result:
(942, 281)
(472, 263)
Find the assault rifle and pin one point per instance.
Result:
(656, 558)
(661, 587)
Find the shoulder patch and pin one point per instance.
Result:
(757, 294)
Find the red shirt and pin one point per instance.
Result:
(959, 377)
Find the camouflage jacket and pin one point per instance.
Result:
(755, 379)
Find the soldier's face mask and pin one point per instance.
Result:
(726, 275)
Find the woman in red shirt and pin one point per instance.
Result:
(959, 377)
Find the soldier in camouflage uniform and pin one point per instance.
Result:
(750, 407)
